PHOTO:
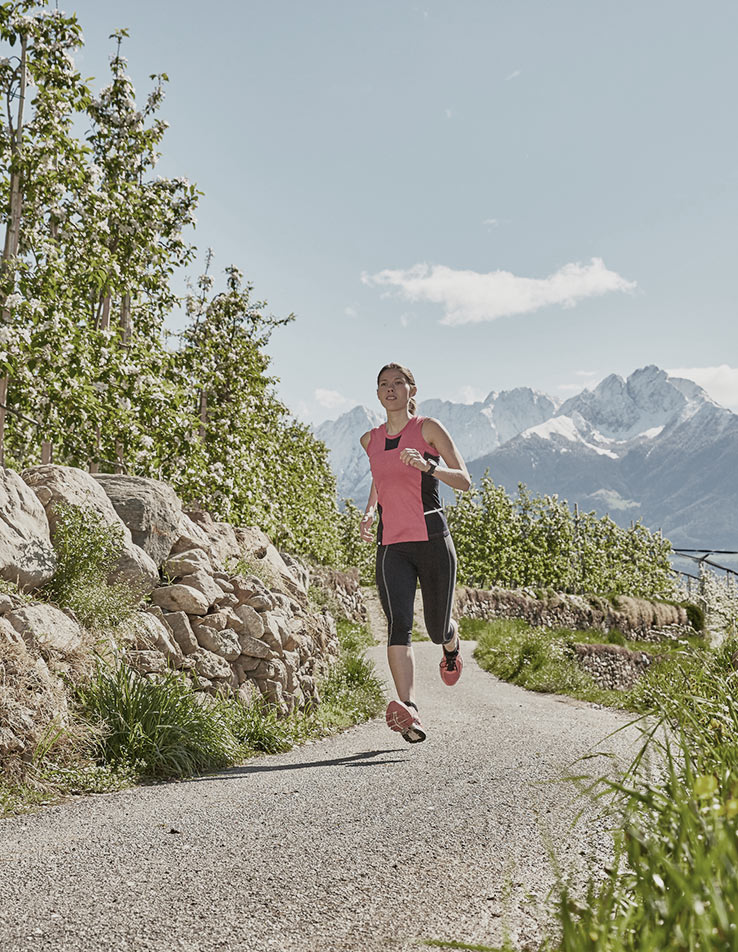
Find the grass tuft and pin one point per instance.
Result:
(86, 551)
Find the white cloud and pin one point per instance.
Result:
(469, 297)
(570, 387)
(448, 113)
(350, 311)
(720, 382)
(469, 394)
(586, 373)
(332, 399)
(514, 75)
(491, 222)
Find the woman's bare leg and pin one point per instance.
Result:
(402, 665)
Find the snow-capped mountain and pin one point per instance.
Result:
(348, 460)
(649, 447)
(652, 447)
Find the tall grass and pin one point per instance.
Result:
(675, 885)
(159, 726)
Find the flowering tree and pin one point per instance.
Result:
(40, 164)
(537, 541)
(92, 240)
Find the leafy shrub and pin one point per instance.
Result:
(696, 616)
(86, 551)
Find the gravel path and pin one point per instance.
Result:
(349, 844)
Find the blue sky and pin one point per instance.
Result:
(497, 194)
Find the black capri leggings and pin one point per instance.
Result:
(399, 567)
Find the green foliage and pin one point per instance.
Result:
(86, 551)
(259, 728)
(536, 541)
(353, 551)
(95, 239)
(352, 692)
(541, 659)
(161, 727)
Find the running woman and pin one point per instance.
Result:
(413, 540)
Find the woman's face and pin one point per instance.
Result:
(394, 390)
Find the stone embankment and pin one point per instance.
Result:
(612, 666)
(218, 602)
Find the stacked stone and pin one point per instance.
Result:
(225, 606)
(613, 667)
(636, 618)
(235, 634)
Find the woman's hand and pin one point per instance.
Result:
(413, 458)
(365, 526)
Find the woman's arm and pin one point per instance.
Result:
(365, 527)
(454, 473)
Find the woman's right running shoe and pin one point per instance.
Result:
(406, 721)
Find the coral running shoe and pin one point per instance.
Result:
(451, 665)
(405, 719)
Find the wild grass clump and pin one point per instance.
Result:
(539, 659)
(87, 550)
(158, 726)
(161, 727)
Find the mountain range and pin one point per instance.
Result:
(650, 447)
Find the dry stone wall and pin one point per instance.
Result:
(637, 618)
(221, 604)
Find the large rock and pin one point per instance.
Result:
(57, 485)
(46, 627)
(210, 665)
(180, 598)
(221, 536)
(147, 633)
(26, 554)
(187, 562)
(148, 507)
(182, 631)
(259, 551)
(203, 583)
(190, 536)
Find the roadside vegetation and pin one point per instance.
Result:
(131, 729)
(543, 659)
(673, 884)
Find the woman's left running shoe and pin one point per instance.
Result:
(451, 663)
(406, 721)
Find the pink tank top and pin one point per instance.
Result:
(409, 505)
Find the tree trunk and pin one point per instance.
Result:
(126, 323)
(203, 415)
(3, 404)
(47, 452)
(12, 227)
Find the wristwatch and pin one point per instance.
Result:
(432, 469)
